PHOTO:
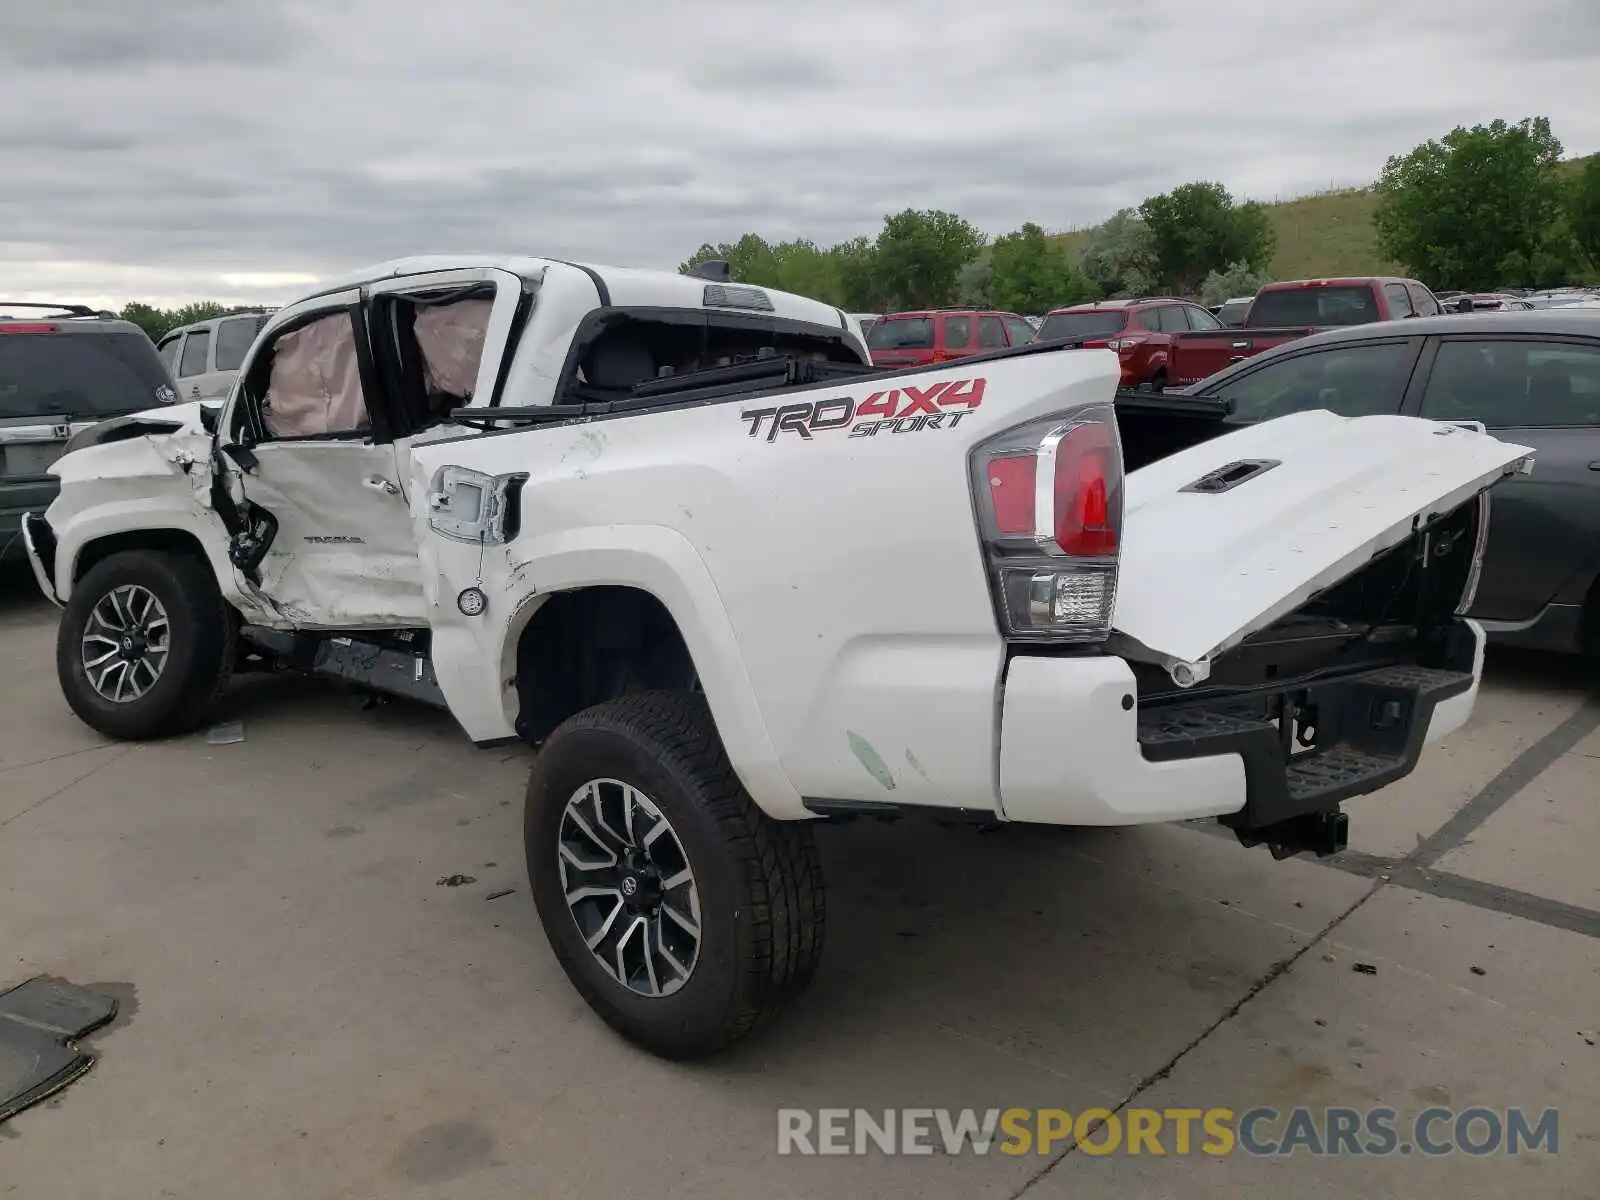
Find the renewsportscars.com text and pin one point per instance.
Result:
(1261, 1132)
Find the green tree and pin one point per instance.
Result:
(1031, 274)
(919, 256)
(1197, 228)
(1119, 256)
(200, 310)
(1583, 210)
(158, 322)
(855, 265)
(799, 266)
(1237, 280)
(973, 284)
(749, 259)
(154, 321)
(1477, 208)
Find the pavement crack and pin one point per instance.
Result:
(71, 783)
(50, 758)
(1273, 973)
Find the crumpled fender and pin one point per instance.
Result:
(474, 658)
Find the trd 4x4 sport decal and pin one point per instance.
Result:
(901, 410)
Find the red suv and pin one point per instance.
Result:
(915, 339)
(1140, 331)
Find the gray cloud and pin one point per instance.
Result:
(116, 34)
(159, 147)
(768, 72)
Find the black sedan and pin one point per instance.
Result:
(1530, 377)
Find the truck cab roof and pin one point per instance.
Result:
(613, 287)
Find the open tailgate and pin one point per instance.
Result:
(1225, 538)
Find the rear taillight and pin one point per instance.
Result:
(28, 327)
(1126, 343)
(1049, 497)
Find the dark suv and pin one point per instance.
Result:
(1140, 331)
(63, 367)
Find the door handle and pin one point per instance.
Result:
(379, 484)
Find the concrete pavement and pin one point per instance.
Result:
(307, 1013)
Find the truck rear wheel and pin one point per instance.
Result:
(681, 912)
(145, 645)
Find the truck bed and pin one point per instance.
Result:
(1199, 355)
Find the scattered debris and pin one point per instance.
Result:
(1589, 1036)
(1364, 969)
(455, 880)
(1478, 971)
(1329, 958)
(1320, 1022)
(501, 892)
(227, 734)
(39, 1023)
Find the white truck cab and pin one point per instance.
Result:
(679, 535)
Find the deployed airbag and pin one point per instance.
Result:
(450, 337)
(315, 386)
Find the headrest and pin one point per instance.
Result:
(617, 361)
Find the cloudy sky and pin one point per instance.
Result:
(175, 149)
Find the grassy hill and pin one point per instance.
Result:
(1326, 234)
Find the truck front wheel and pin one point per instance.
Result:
(681, 912)
(145, 645)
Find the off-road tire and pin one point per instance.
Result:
(759, 880)
(202, 636)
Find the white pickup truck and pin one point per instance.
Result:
(678, 534)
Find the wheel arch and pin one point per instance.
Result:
(89, 537)
(584, 646)
(658, 580)
(172, 540)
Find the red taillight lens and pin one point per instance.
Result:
(1087, 473)
(1053, 570)
(1011, 492)
(28, 327)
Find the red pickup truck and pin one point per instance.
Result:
(1282, 312)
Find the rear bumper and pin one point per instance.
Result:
(1075, 748)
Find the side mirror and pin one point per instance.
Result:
(209, 415)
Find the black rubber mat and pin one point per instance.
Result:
(39, 1023)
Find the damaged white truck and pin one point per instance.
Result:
(678, 534)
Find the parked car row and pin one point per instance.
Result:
(1330, 343)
